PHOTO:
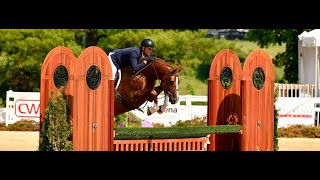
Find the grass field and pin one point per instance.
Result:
(248, 47)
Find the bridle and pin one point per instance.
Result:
(167, 91)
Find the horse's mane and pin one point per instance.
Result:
(163, 61)
(147, 66)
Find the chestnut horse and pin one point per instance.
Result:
(136, 89)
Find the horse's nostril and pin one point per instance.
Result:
(174, 101)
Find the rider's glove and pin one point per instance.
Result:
(151, 58)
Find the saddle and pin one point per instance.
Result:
(117, 80)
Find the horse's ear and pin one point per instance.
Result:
(179, 68)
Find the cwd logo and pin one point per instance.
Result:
(27, 108)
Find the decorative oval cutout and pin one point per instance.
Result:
(93, 77)
(258, 78)
(226, 77)
(60, 76)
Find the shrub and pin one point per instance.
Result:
(197, 121)
(120, 119)
(24, 125)
(56, 129)
(3, 127)
(299, 131)
(157, 125)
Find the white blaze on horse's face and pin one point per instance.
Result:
(172, 91)
(177, 86)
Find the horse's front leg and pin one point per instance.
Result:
(163, 107)
(155, 108)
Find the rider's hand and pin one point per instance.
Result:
(151, 58)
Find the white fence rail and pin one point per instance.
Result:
(295, 90)
(316, 114)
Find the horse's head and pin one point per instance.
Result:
(169, 84)
(159, 69)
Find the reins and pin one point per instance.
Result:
(156, 72)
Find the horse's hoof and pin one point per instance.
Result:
(160, 112)
(148, 112)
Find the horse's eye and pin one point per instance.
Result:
(172, 79)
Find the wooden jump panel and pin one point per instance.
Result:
(186, 144)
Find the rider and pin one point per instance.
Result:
(134, 56)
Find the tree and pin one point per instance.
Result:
(89, 37)
(22, 53)
(289, 58)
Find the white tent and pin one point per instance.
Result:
(308, 53)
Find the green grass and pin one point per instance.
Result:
(192, 86)
(248, 47)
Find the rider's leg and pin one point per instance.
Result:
(118, 79)
(114, 68)
(116, 74)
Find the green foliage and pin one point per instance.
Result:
(124, 120)
(120, 119)
(22, 53)
(56, 128)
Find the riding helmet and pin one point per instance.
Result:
(147, 43)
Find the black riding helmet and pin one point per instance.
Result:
(147, 43)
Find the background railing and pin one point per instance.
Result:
(294, 90)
